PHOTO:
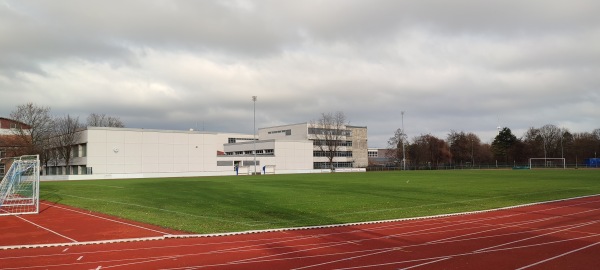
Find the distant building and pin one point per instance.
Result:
(380, 157)
(11, 145)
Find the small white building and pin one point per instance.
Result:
(103, 152)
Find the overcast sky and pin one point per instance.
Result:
(463, 65)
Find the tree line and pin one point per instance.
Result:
(51, 137)
(460, 149)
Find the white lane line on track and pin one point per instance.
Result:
(541, 235)
(46, 229)
(558, 256)
(154, 259)
(463, 254)
(346, 259)
(104, 218)
(426, 263)
(513, 225)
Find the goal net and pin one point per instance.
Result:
(269, 169)
(19, 189)
(541, 163)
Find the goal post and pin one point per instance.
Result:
(20, 186)
(547, 163)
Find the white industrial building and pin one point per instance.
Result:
(103, 152)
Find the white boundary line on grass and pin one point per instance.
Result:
(181, 236)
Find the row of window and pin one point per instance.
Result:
(70, 170)
(234, 140)
(332, 143)
(250, 152)
(337, 154)
(327, 165)
(287, 132)
(227, 163)
(373, 154)
(325, 131)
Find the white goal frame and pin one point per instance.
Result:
(20, 187)
(269, 169)
(564, 164)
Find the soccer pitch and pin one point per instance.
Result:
(240, 203)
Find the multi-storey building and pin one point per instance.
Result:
(11, 145)
(125, 153)
(351, 142)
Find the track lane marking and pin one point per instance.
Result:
(558, 256)
(108, 219)
(46, 229)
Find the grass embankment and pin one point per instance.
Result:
(225, 204)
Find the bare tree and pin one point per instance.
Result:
(330, 135)
(395, 146)
(34, 138)
(39, 121)
(102, 120)
(551, 136)
(464, 147)
(66, 135)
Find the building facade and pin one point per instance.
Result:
(126, 152)
(11, 144)
(350, 153)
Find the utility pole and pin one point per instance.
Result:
(254, 130)
(403, 148)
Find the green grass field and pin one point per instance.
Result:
(227, 204)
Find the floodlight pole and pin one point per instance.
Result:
(472, 156)
(403, 152)
(254, 130)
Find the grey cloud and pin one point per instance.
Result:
(463, 65)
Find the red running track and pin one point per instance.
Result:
(557, 235)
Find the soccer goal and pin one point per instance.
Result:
(269, 169)
(20, 186)
(541, 163)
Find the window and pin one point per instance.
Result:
(287, 132)
(323, 131)
(326, 165)
(339, 143)
(250, 163)
(337, 154)
(373, 154)
(2, 169)
(234, 140)
(224, 163)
